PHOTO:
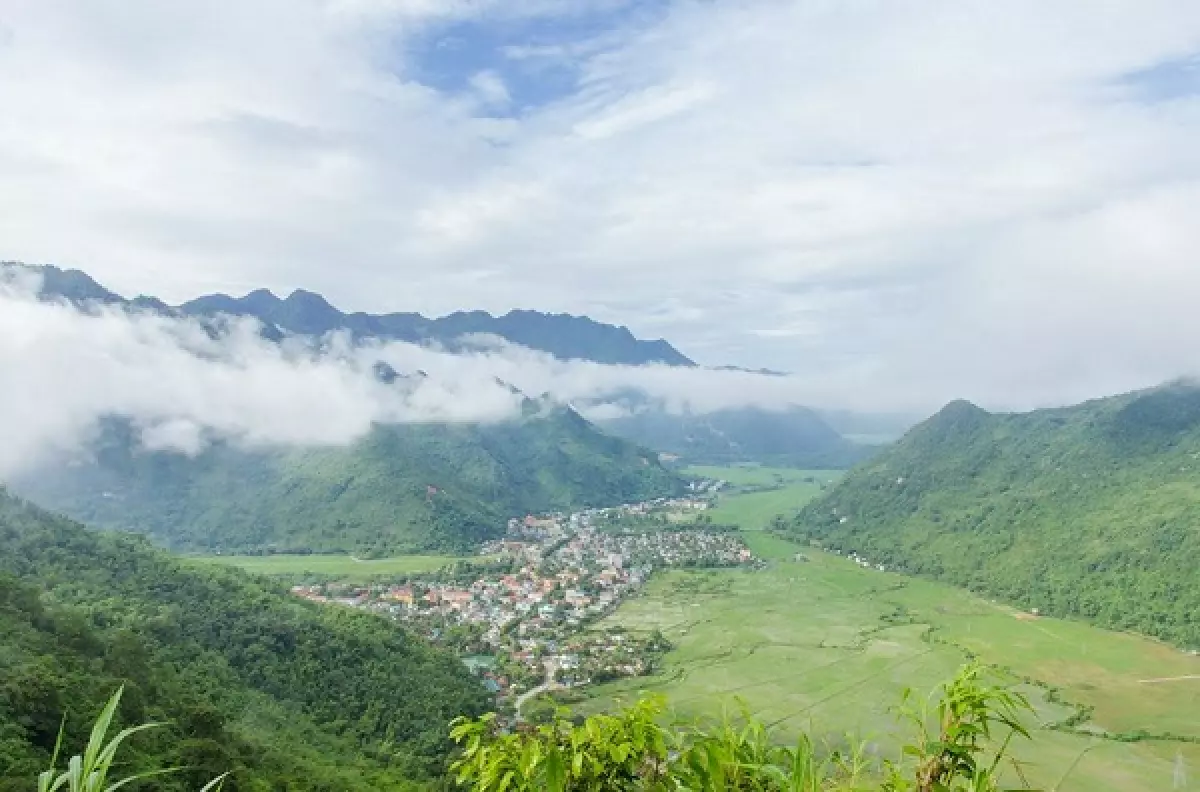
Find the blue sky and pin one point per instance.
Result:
(905, 202)
(1167, 81)
(537, 59)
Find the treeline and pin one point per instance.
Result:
(283, 693)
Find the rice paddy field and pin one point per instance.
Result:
(345, 568)
(752, 510)
(759, 476)
(825, 646)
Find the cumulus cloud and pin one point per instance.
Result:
(906, 202)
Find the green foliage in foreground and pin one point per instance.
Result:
(1088, 511)
(437, 488)
(281, 693)
(963, 735)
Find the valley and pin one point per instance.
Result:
(825, 646)
(808, 646)
(807, 641)
(355, 596)
(760, 494)
(602, 396)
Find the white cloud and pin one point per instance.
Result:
(64, 370)
(905, 202)
(181, 385)
(637, 111)
(491, 89)
(174, 434)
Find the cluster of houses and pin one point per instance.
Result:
(556, 526)
(864, 563)
(600, 656)
(565, 573)
(660, 549)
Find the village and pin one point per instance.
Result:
(523, 616)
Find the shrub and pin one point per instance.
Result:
(963, 734)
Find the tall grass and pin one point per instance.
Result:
(89, 771)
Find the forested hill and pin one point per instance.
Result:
(1090, 511)
(403, 488)
(796, 437)
(287, 694)
(306, 313)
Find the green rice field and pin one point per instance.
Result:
(825, 646)
(754, 510)
(758, 476)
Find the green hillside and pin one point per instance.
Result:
(401, 489)
(795, 437)
(287, 694)
(1090, 511)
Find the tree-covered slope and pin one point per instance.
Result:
(1090, 511)
(403, 488)
(796, 437)
(287, 694)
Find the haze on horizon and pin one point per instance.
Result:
(901, 203)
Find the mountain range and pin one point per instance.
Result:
(1091, 511)
(303, 312)
(795, 436)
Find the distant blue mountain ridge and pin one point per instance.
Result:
(796, 436)
(564, 336)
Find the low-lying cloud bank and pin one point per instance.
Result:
(183, 383)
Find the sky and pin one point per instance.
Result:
(902, 202)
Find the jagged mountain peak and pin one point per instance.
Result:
(67, 284)
(263, 297)
(303, 312)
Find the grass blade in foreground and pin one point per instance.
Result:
(89, 772)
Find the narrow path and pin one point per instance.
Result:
(546, 686)
(1168, 679)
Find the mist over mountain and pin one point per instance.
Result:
(470, 365)
(307, 313)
